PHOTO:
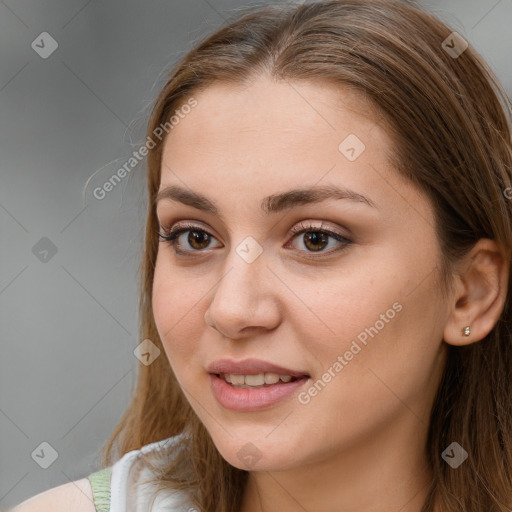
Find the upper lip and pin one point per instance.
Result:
(251, 367)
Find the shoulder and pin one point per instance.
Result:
(76, 496)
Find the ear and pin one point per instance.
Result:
(480, 293)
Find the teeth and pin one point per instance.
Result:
(237, 380)
(271, 378)
(254, 380)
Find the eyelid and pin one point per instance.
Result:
(175, 230)
(297, 227)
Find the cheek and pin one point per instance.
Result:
(176, 310)
(382, 357)
(341, 310)
(371, 322)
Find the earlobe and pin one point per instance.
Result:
(480, 293)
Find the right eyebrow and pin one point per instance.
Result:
(274, 203)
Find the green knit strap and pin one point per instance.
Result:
(100, 483)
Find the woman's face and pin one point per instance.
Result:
(357, 321)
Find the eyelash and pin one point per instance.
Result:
(170, 237)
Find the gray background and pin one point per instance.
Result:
(69, 320)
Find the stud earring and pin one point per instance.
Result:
(466, 331)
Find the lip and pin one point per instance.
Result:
(248, 400)
(251, 367)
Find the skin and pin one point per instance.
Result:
(359, 444)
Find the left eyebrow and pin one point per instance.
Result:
(274, 203)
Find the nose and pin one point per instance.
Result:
(244, 300)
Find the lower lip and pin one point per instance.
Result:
(247, 400)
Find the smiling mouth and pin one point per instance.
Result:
(260, 380)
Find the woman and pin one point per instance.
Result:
(326, 271)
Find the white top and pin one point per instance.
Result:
(126, 497)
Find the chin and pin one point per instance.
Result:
(257, 455)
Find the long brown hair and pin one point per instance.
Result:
(449, 120)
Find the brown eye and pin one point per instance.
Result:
(201, 238)
(198, 239)
(316, 239)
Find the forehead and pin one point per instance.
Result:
(274, 111)
(242, 143)
(271, 126)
